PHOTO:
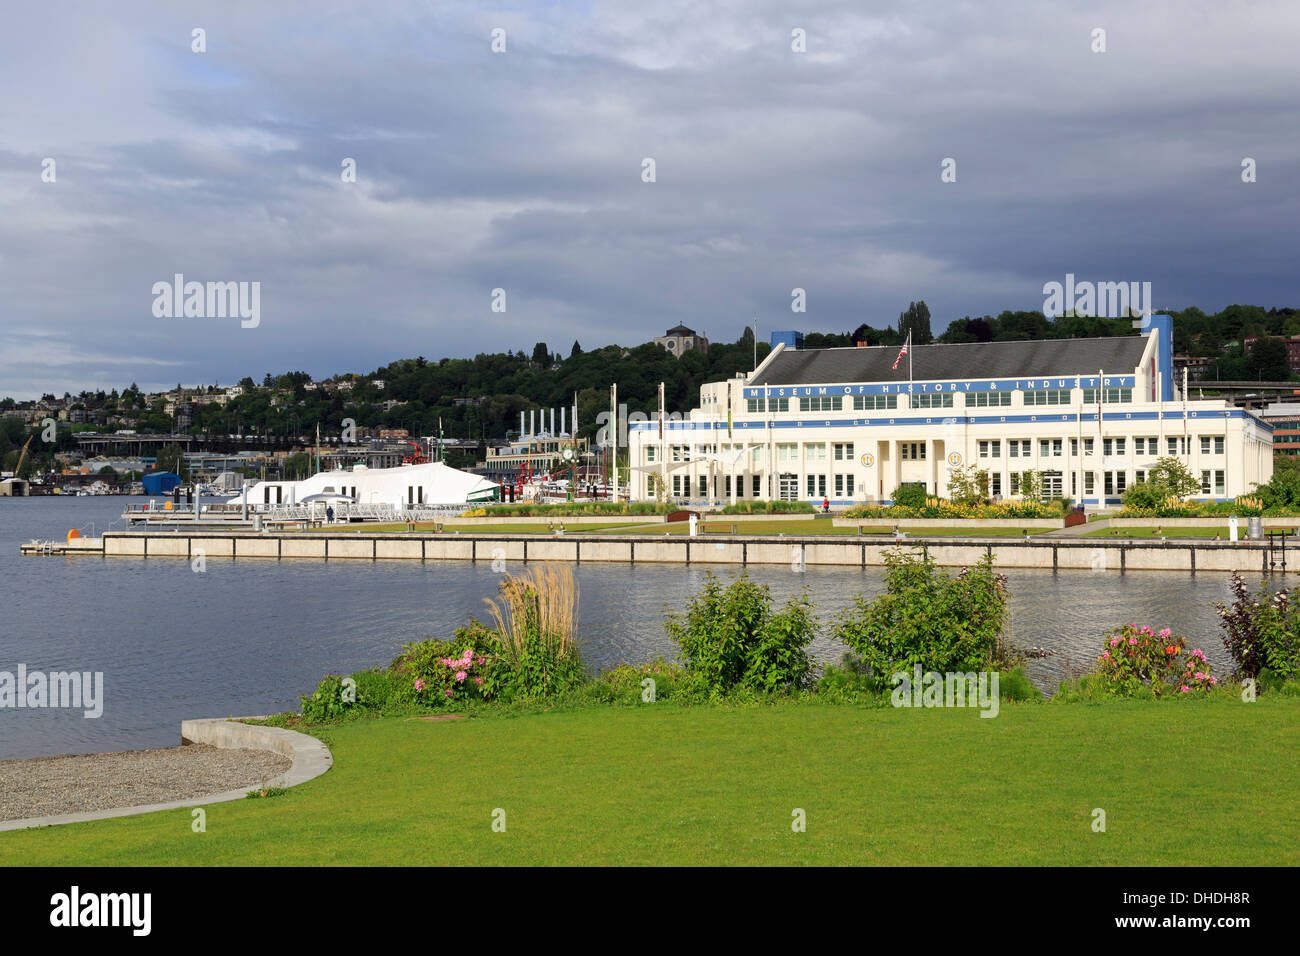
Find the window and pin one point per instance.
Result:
(787, 453)
(1087, 446)
(1109, 396)
(756, 486)
(815, 452)
(1218, 483)
(1113, 446)
(995, 484)
(874, 403)
(819, 403)
(1218, 446)
(778, 404)
(1018, 448)
(1205, 482)
(844, 451)
(1088, 481)
(754, 405)
(1050, 448)
(704, 487)
(1116, 482)
(650, 453)
(987, 399)
(1048, 396)
(932, 401)
(1207, 442)
(677, 486)
(816, 486)
(1177, 446)
(681, 453)
(843, 486)
(912, 451)
(990, 448)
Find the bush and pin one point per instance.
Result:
(769, 508)
(909, 496)
(730, 638)
(1139, 660)
(926, 617)
(328, 702)
(626, 684)
(1261, 634)
(849, 682)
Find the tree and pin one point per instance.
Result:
(1028, 484)
(657, 486)
(541, 355)
(576, 350)
(917, 321)
(171, 458)
(968, 485)
(1268, 360)
(297, 466)
(1283, 489)
(1174, 477)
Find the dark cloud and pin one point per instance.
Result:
(521, 170)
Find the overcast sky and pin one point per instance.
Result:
(523, 171)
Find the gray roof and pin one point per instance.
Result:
(1017, 359)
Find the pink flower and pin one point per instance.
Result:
(1132, 641)
(447, 692)
(1114, 641)
(419, 683)
(460, 675)
(1184, 689)
(480, 660)
(1214, 682)
(1165, 633)
(478, 681)
(1106, 656)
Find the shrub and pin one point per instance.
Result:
(626, 684)
(1138, 659)
(730, 638)
(909, 496)
(328, 701)
(926, 617)
(769, 508)
(1015, 685)
(1263, 634)
(850, 681)
(534, 640)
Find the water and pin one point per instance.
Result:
(249, 636)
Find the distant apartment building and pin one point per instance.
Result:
(679, 340)
(1292, 343)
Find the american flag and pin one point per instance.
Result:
(902, 352)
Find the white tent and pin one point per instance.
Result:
(408, 486)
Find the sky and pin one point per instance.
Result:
(524, 170)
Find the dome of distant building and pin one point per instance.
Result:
(679, 339)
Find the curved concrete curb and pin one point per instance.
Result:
(310, 757)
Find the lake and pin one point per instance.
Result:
(249, 637)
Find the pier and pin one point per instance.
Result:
(737, 550)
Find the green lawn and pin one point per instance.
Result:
(816, 526)
(1209, 782)
(469, 524)
(1150, 532)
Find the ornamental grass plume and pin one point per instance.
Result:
(539, 606)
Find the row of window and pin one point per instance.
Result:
(815, 486)
(1053, 447)
(876, 403)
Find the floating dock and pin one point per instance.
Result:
(795, 552)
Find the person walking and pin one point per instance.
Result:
(826, 505)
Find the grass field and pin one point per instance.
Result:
(815, 526)
(1150, 532)
(1207, 782)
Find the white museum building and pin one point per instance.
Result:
(853, 424)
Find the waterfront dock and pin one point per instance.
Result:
(737, 550)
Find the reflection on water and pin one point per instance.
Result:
(249, 636)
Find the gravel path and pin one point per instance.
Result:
(71, 784)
